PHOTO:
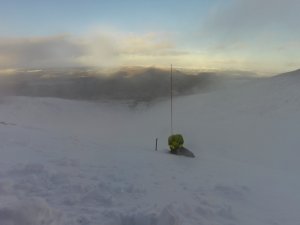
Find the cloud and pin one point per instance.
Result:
(247, 19)
(93, 49)
(38, 51)
(98, 50)
(259, 34)
(147, 44)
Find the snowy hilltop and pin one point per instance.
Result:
(74, 162)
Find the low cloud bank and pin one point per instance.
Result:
(105, 49)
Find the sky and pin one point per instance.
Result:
(254, 35)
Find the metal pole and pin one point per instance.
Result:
(171, 84)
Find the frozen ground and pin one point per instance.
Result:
(70, 162)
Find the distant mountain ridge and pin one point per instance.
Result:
(291, 73)
(135, 84)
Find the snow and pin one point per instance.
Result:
(69, 162)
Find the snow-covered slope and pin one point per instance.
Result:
(70, 162)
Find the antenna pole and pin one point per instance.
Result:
(171, 90)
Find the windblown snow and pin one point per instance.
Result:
(66, 162)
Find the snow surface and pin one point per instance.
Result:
(72, 162)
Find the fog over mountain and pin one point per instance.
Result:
(132, 84)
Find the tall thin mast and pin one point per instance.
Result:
(171, 93)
